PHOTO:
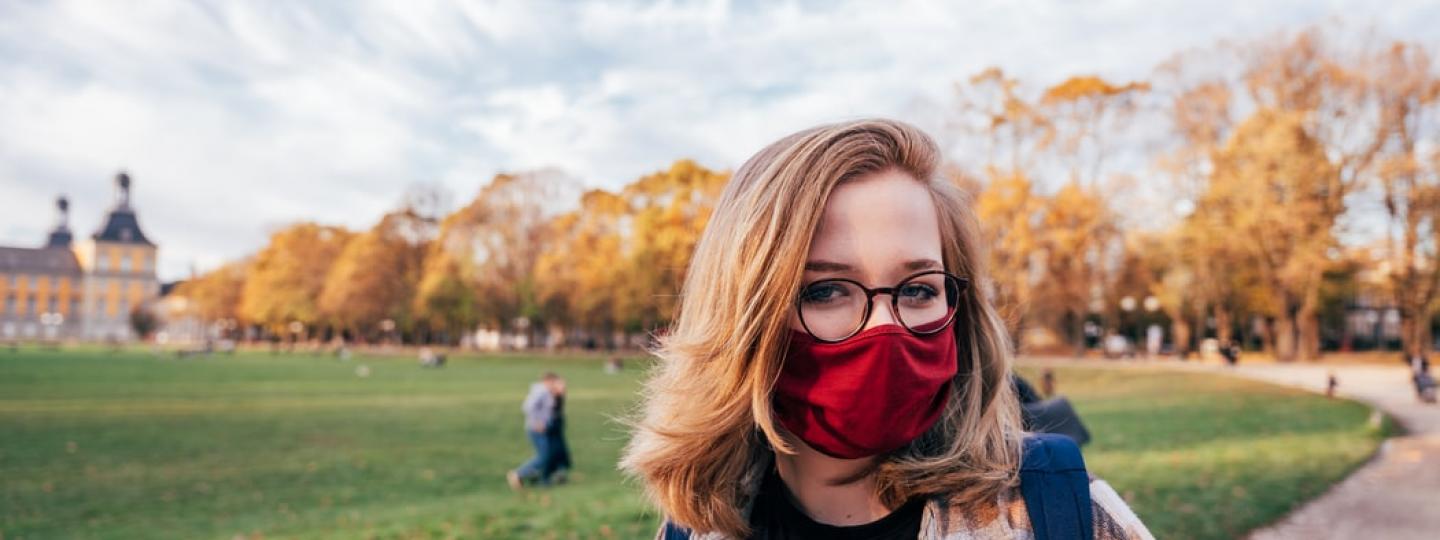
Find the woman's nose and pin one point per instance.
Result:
(881, 314)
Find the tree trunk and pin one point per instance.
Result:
(1424, 336)
(1408, 345)
(1223, 330)
(1415, 333)
(1267, 335)
(1284, 337)
(1308, 349)
(1180, 330)
(1079, 329)
(1307, 320)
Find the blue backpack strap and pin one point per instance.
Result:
(671, 531)
(1056, 488)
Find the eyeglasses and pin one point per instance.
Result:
(833, 310)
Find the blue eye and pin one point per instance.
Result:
(820, 293)
(918, 292)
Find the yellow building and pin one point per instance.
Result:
(85, 289)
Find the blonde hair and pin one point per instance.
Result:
(706, 417)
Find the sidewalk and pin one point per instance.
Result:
(1396, 495)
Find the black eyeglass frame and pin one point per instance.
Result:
(961, 286)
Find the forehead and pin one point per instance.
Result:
(877, 222)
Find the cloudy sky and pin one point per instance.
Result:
(236, 117)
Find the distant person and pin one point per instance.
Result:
(1154, 340)
(1419, 363)
(1425, 386)
(1048, 415)
(430, 359)
(834, 369)
(614, 365)
(557, 462)
(1231, 352)
(1117, 346)
(539, 409)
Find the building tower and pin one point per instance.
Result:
(119, 265)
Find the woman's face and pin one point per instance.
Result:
(876, 229)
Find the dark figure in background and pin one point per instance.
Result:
(557, 465)
(1420, 375)
(1231, 352)
(1053, 415)
(431, 359)
(1024, 392)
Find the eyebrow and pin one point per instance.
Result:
(831, 266)
(827, 266)
(923, 264)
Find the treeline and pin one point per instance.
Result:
(1255, 190)
(532, 254)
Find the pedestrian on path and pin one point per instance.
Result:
(1420, 376)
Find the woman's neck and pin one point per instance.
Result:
(810, 475)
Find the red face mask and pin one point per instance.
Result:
(867, 395)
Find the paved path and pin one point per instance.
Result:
(1396, 495)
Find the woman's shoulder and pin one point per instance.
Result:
(1112, 517)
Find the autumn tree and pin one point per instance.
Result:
(618, 261)
(1272, 189)
(1197, 271)
(481, 268)
(375, 277)
(992, 109)
(1079, 229)
(668, 211)
(287, 276)
(216, 295)
(1089, 115)
(578, 276)
(1011, 214)
(1406, 89)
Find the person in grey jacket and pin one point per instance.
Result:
(539, 408)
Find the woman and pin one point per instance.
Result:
(834, 372)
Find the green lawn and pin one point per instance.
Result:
(128, 445)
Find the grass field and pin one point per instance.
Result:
(129, 445)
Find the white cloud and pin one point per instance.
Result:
(235, 117)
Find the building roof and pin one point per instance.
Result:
(167, 288)
(121, 226)
(61, 237)
(38, 261)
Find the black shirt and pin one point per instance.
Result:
(775, 516)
